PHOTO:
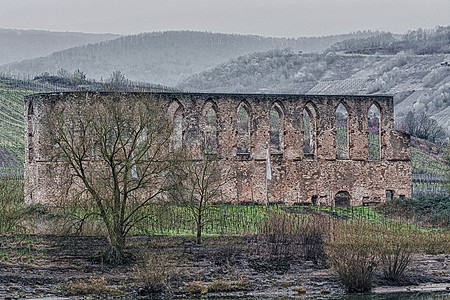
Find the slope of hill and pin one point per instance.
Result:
(12, 92)
(16, 45)
(418, 82)
(166, 57)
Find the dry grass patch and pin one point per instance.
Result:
(91, 286)
(220, 286)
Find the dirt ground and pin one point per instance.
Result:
(37, 266)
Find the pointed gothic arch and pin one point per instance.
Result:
(175, 115)
(276, 118)
(374, 132)
(342, 136)
(243, 128)
(209, 124)
(309, 128)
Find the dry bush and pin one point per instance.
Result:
(354, 265)
(352, 254)
(226, 255)
(396, 253)
(434, 242)
(283, 236)
(155, 273)
(356, 248)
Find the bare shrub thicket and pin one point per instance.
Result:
(396, 254)
(284, 236)
(352, 254)
(357, 248)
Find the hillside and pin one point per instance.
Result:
(418, 82)
(12, 93)
(17, 45)
(420, 41)
(166, 57)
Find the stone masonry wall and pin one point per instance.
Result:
(296, 177)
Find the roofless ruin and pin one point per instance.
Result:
(324, 150)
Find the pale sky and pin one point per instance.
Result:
(289, 18)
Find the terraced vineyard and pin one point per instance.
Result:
(12, 92)
(429, 158)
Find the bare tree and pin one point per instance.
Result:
(116, 82)
(199, 185)
(116, 150)
(423, 127)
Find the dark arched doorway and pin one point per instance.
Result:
(342, 198)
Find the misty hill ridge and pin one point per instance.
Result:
(166, 58)
(420, 41)
(17, 45)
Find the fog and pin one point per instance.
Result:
(287, 18)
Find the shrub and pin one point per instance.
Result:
(12, 208)
(354, 265)
(395, 256)
(155, 273)
(352, 254)
(226, 255)
(284, 236)
(431, 210)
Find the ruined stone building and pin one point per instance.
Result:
(324, 150)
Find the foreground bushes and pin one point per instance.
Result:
(285, 236)
(357, 248)
(352, 254)
(354, 248)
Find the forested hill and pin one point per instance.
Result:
(418, 82)
(16, 45)
(166, 57)
(420, 41)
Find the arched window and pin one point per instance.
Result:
(243, 130)
(210, 131)
(276, 129)
(342, 148)
(309, 132)
(30, 132)
(175, 114)
(177, 137)
(30, 109)
(373, 127)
